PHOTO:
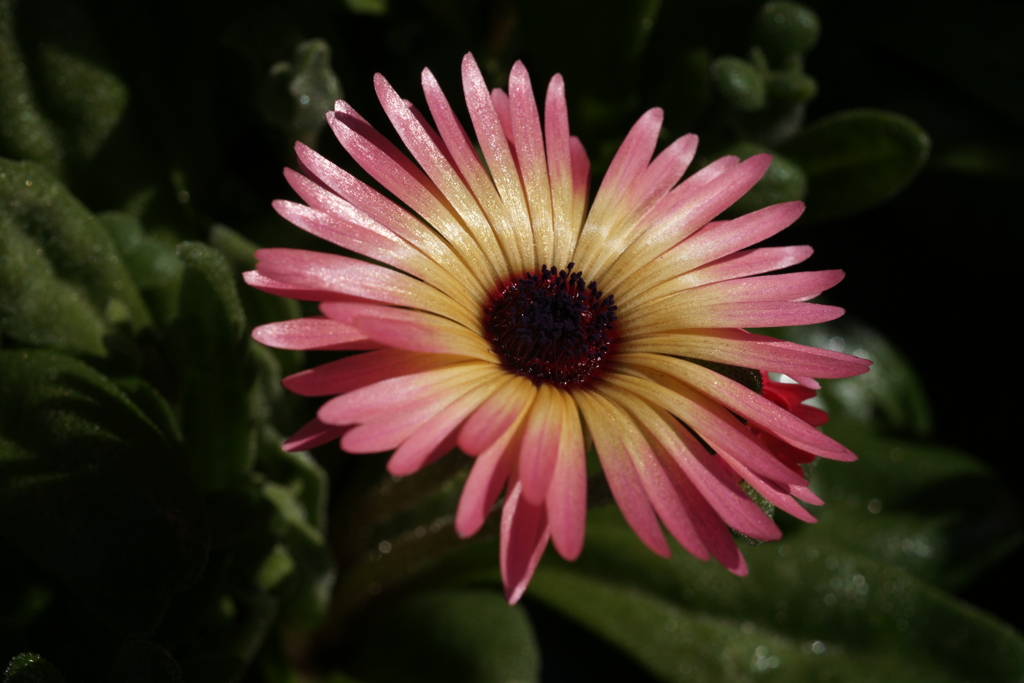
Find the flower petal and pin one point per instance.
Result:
(400, 176)
(706, 474)
(529, 145)
(496, 415)
(559, 157)
(606, 427)
(438, 167)
(312, 434)
(471, 170)
(343, 275)
(495, 148)
(693, 213)
(751, 406)
(388, 397)
(715, 425)
(524, 536)
(704, 247)
(313, 334)
(567, 496)
(403, 328)
(438, 436)
(277, 288)
(386, 214)
(352, 372)
(541, 439)
(744, 349)
(487, 478)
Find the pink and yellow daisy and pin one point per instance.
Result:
(494, 311)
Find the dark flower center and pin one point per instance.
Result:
(552, 326)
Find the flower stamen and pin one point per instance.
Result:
(552, 326)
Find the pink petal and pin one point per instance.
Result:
(738, 347)
(744, 264)
(529, 145)
(424, 148)
(541, 439)
(472, 171)
(622, 476)
(739, 314)
(388, 430)
(632, 157)
(629, 162)
(438, 436)
(309, 334)
(719, 428)
(385, 213)
(411, 330)
(567, 495)
(334, 274)
(703, 471)
(782, 287)
(662, 494)
(757, 409)
(524, 536)
(559, 158)
(340, 227)
(658, 178)
(691, 186)
(487, 479)
(714, 241)
(401, 177)
(709, 526)
(580, 184)
(312, 434)
(499, 98)
(353, 372)
(283, 289)
(774, 493)
(495, 148)
(729, 237)
(496, 415)
(388, 397)
(692, 214)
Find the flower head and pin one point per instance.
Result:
(495, 312)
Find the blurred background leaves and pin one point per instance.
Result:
(151, 527)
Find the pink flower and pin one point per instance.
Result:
(495, 312)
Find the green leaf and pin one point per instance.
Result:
(58, 102)
(296, 93)
(24, 131)
(791, 87)
(62, 281)
(807, 612)
(31, 668)
(153, 263)
(740, 83)
(785, 28)
(209, 349)
(857, 159)
(465, 635)
(299, 473)
(93, 491)
(260, 308)
(934, 511)
(210, 274)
